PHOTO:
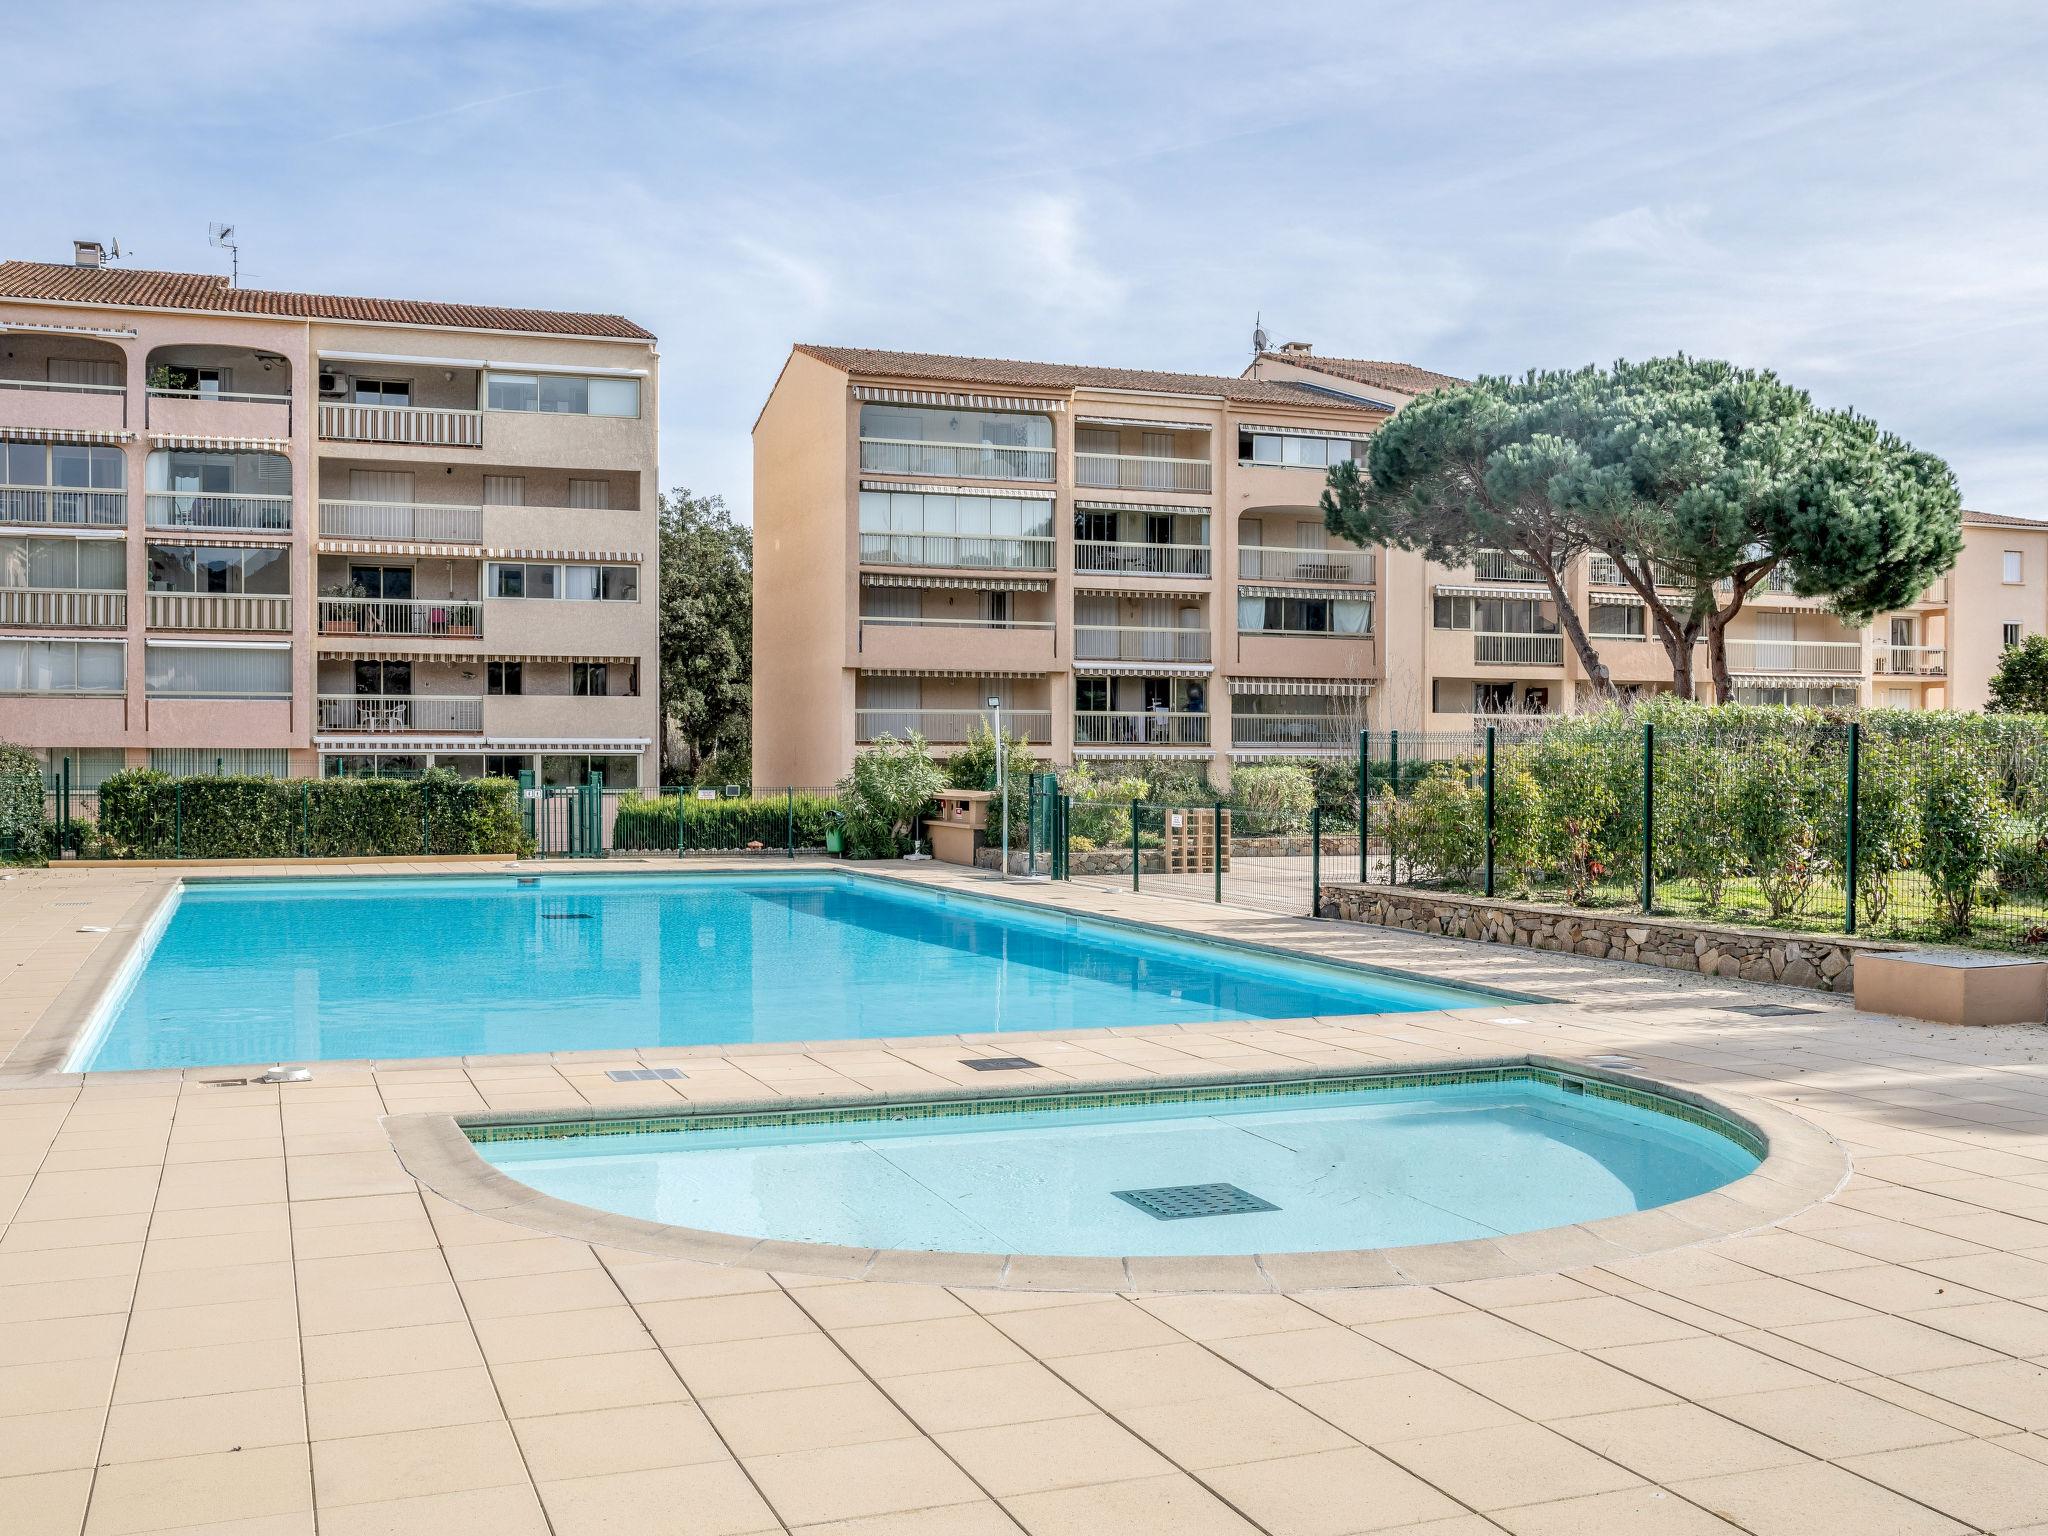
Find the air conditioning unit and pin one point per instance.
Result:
(333, 386)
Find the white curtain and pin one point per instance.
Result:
(593, 494)
(1251, 613)
(891, 602)
(380, 485)
(217, 672)
(504, 490)
(1349, 617)
(84, 370)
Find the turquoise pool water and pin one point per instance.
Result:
(1366, 1168)
(251, 972)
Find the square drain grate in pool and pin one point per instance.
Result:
(1177, 1202)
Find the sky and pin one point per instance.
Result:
(1851, 194)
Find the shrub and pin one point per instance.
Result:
(1101, 814)
(1273, 797)
(1696, 806)
(1443, 827)
(1578, 813)
(1887, 824)
(974, 766)
(21, 804)
(1961, 818)
(891, 785)
(1774, 825)
(1517, 814)
(644, 822)
(144, 814)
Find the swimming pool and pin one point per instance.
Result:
(252, 972)
(1224, 1169)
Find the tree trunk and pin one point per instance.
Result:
(1741, 583)
(1677, 638)
(1568, 620)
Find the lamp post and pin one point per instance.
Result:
(1002, 781)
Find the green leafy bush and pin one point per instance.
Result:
(1961, 819)
(1443, 827)
(1101, 811)
(1775, 829)
(892, 784)
(1578, 828)
(1272, 798)
(648, 822)
(21, 804)
(974, 766)
(149, 815)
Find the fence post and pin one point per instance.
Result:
(1394, 813)
(1216, 844)
(1649, 817)
(1489, 810)
(1134, 845)
(426, 817)
(306, 819)
(1849, 830)
(1315, 861)
(1364, 797)
(682, 804)
(528, 812)
(789, 818)
(178, 819)
(64, 820)
(1066, 836)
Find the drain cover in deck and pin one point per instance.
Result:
(1177, 1202)
(1771, 1010)
(644, 1075)
(997, 1063)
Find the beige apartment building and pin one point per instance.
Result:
(269, 532)
(1133, 565)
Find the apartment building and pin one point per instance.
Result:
(270, 532)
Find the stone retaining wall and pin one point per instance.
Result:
(1822, 961)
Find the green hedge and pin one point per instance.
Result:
(21, 804)
(645, 822)
(148, 815)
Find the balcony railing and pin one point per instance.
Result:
(1293, 730)
(1151, 728)
(435, 618)
(972, 461)
(1139, 642)
(1140, 472)
(50, 387)
(1125, 558)
(231, 511)
(1497, 565)
(68, 607)
(400, 712)
(228, 396)
(973, 551)
(1503, 650)
(49, 506)
(873, 621)
(1910, 660)
(425, 426)
(949, 726)
(423, 521)
(1266, 562)
(1754, 656)
(237, 611)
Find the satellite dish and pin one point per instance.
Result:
(1260, 341)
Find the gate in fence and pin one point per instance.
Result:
(565, 821)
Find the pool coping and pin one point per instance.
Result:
(1802, 1167)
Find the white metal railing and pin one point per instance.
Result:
(1139, 642)
(452, 617)
(1140, 472)
(85, 607)
(973, 461)
(428, 426)
(244, 396)
(949, 725)
(1127, 556)
(54, 506)
(1517, 650)
(428, 522)
(1266, 562)
(46, 386)
(1910, 660)
(401, 712)
(877, 621)
(1497, 565)
(1147, 727)
(1293, 730)
(1795, 656)
(235, 511)
(239, 611)
(972, 550)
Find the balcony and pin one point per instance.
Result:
(961, 551)
(964, 461)
(1126, 559)
(1138, 642)
(998, 645)
(1264, 562)
(378, 713)
(239, 612)
(444, 618)
(419, 521)
(40, 405)
(218, 412)
(1293, 730)
(63, 607)
(1498, 565)
(1909, 661)
(1150, 728)
(1139, 472)
(412, 425)
(949, 727)
(224, 511)
(1505, 650)
(49, 506)
(1752, 657)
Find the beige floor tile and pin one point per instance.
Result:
(1980, 1484)
(1230, 1317)
(1546, 1387)
(54, 1386)
(808, 1418)
(524, 1295)
(1248, 1426)
(46, 1503)
(1330, 1493)
(1707, 1367)
(855, 1306)
(207, 1371)
(985, 1518)
(2010, 1327)
(1462, 1338)
(561, 1335)
(981, 1395)
(139, 1496)
(762, 1365)
(1304, 1356)
(1051, 1453)
(376, 1352)
(446, 1460)
(1145, 1378)
(714, 1498)
(71, 1338)
(937, 1344)
(1507, 1465)
(62, 1441)
(350, 1310)
(1094, 1328)
(846, 1482)
(1890, 1345)
(1380, 1409)
(198, 1426)
(382, 1405)
(715, 1319)
(1675, 1441)
(1814, 1500)
(2015, 1391)
(604, 1440)
(511, 1511)
(1771, 1302)
(1627, 1512)
(1148, 1506)
(48, 1300)
(1597, 1320)
(623, 1380)
(1834, 1420)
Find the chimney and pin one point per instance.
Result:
(1297, 348)
(87, 253)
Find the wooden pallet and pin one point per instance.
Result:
(1192, 844)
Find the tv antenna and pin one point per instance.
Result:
(1260, 341)
(223, 236)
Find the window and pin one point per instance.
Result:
(895, 423)
(1091, 693)
(188, 671)
(385, 581)
(591, 494)
(63, 666)
(2013, 635)
(620, 772)
(200, 568)
(504, 677)
(505, 765)
(562, 394)
(63, 464)
(230, 762)
(220, 474)
(90, 766)
(582, 583)
(2014, 568)
(78, 565)
(383, 679)
(1292, 451)
(504, 490)
(1004, 517)
(1616, 621)
(588, 679)
(1304, 615)
(383, 392)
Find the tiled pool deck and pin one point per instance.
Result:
(230, 1310)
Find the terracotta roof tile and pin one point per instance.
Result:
(1405, 378)
(209, 293)
(2005, 520)
(1005, 373)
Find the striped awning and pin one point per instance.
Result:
(1144, 668)
(50, 328)
(461, 658)
(398, 547)
(1303, 687)
(996, 491)
(1285, 754)
(1797, 679)
(945, 400)
(944, 672)
(66, 435)
(955, 583)
(1334, 594)
(207, 538)
(1490, 589)
(199, 444)
(1341, 433)
(1614, 599)
(1139, 754)
(1141, 421)
(1107, 585)
(1175, 508)
(480, 743)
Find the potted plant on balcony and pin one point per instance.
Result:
(345, 621)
